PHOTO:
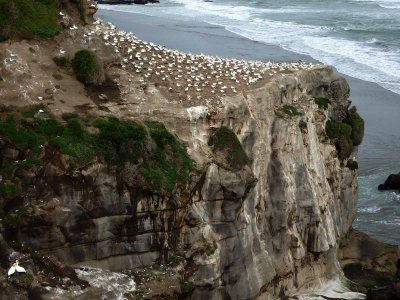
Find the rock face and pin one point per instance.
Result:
(391, 183)
(267, 228)
(273, 224)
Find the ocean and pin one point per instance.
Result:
(360, 38)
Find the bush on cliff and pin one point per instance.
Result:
(357, 126)
(28, 19)
(225, 140)
(340, 132)
(347, 133)
(87, 67)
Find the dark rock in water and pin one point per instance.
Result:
(391, 183)
(127, 1)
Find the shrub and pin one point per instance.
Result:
(226, 141)
(86, 67)
(341, 132)
(60, 61)
(338, 130)
(322, 103)
(352, 165)
(357, 124)
(291, 110)
(28, 18)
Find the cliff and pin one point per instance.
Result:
(260, 216)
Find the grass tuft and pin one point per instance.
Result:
(322, 103)
(28, 19)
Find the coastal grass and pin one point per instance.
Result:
(28, 19)
(158, 156)
(225, 140)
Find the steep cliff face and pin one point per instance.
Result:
(283, 234)
(265, 226)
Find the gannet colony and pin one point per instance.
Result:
(185, 76)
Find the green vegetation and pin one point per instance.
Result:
(322, 103)
(28, 19)
(60, 61)
(226, 141)
(338, 130)
(170, 162)
(86, 65)
(9, 191)
(291, 110)
(357, 125)
(157, 155)
(341, 132)
(347, 134)
(352, 165)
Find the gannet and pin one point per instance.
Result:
(15, 267)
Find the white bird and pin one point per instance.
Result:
(16, 267)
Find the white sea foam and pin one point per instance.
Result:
(371, 209)
(334, 289)
(390, 6)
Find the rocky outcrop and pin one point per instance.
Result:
(391, 183)
(370, 265)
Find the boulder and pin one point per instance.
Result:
(391, 183)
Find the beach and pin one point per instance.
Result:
(379, 152)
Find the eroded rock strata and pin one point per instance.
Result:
(259, 219)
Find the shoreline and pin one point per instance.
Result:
(379, 107)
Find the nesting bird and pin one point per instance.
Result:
(15, 268)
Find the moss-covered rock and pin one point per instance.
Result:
(156, 154)
(225, 140)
